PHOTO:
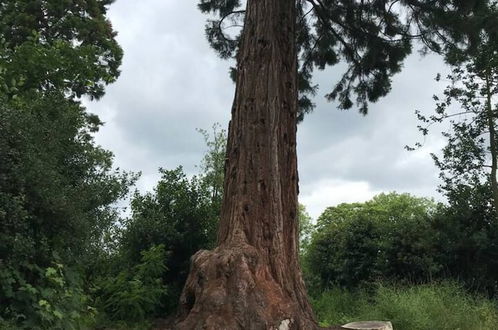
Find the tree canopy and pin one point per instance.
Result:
(371, 37)
(67, 46)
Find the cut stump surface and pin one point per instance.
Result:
(369, 325)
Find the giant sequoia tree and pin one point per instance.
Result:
(252, 279)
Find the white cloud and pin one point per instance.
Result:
(329, 192)
(172, 83)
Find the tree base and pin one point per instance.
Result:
(232, 288)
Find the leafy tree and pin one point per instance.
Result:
(405, 239)
(388, 237)
(470, 158)
(466, 243)
(468, 165)
(179, 215)
(66, 46)
(305, 229)
(55, 183)
(392, 207)
(213, 164)
(258, 225)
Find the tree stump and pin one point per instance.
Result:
(369, 325)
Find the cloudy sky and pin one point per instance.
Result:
(172, 83)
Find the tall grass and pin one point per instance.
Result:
(442, 306)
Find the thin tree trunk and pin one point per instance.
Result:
(492, 142)
(252, 280)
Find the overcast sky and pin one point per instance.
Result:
(172, 83)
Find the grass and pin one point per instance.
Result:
(441, 306)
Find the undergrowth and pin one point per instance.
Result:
(441, 306)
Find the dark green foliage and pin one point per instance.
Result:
(179, 214)
(464, 26)
(466, 239)
(57, 188)
(67, 46)
(404, 239)
(55, 184)
(387, 237)
(372, 37)
(135, 293)
(59, 182)
(55, 301)
(354, 258)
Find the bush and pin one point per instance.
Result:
(180, 215)
(443, 306)
(388, 237)
(467, 246)
(52, 298)
(398, 237)
(133, 295)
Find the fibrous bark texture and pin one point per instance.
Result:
(252, 280)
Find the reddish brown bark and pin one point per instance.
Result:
(252, 280)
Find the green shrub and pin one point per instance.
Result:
(386, 238)
(179, 214)
(444, 306)
(135, 294)
(402, 238)
(52, 298)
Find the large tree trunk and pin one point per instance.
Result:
(252, 280)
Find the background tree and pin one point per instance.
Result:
(68, 46)
(405, 240)
(180, 215)
(213, 164)
(55, 182)
(386, 238)
(467, 243)
(305, 228)
(468, 162)
(470, 158)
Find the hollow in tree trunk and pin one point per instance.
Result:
(252, 280)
